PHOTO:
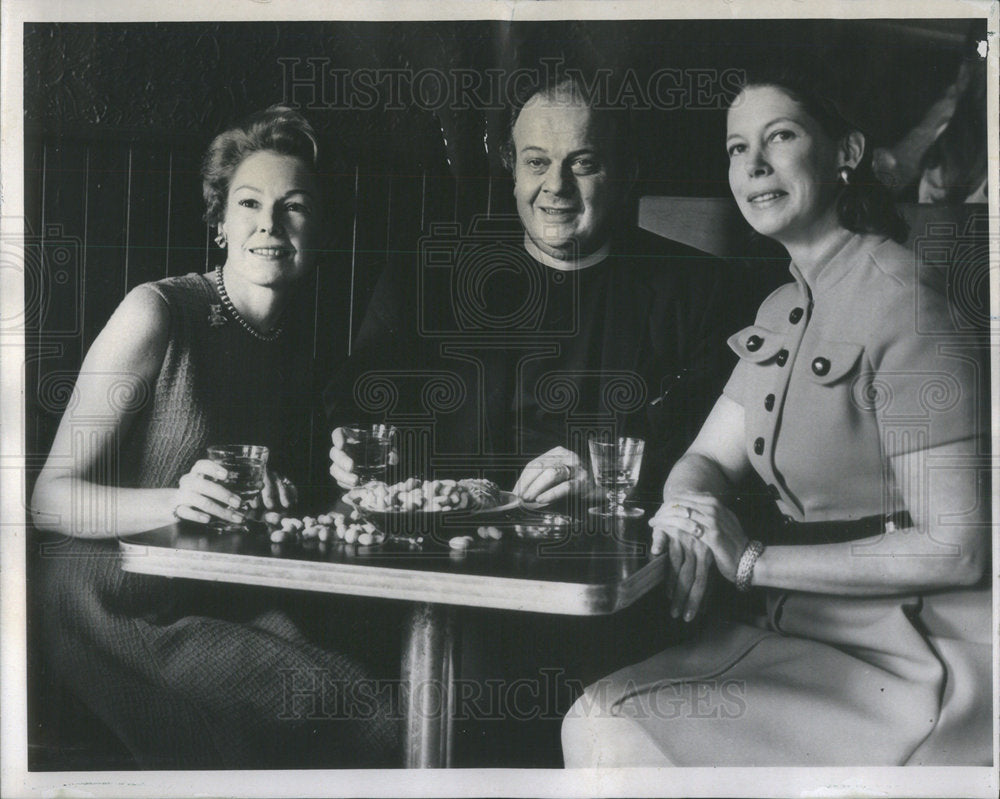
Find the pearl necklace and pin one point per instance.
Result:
(228, 303)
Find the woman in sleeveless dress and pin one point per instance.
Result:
(191, 675)
(864, 410)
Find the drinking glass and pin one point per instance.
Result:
(245, 465)
(369, 447)
(616, 469)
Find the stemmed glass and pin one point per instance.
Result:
(616, 469)
(369, 447)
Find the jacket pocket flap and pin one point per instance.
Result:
(832, 360)
(756, 344)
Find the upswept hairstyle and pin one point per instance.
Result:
(276, 129)
(865, 204)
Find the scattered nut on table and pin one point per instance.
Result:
(285, 529)
(460, 542)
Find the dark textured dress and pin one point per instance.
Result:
(193, 675)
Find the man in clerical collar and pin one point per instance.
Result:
(518, 342)
(573, 167)
(571, 174)
(581, 339)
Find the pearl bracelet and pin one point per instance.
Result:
(744, 571)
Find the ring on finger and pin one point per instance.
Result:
(698, 530)
(176, 514)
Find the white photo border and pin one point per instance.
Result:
(17, 781)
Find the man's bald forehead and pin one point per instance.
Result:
(608, 128)
(561, 95)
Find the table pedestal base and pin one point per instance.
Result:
(428, 680)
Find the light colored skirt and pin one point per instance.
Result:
(821, 681)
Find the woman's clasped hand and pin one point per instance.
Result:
(696, 530)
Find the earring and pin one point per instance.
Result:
(844, 175)
(220, 239)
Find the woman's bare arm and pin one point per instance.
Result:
(717, 460)
(120, 369)
(946, 546)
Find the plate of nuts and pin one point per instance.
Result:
(429, 508)
(430, 496)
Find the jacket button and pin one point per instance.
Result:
(795, 315)
(758, 446)
(769, 402)
(821, 366)
(754, 343)
(773, 491)
(781, 358)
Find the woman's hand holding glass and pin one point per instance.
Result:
(202, 497)
(278, 491)
(696, 530)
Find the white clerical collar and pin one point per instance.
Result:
(566, 266)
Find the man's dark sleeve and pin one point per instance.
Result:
(700, 304)
(718, 297)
